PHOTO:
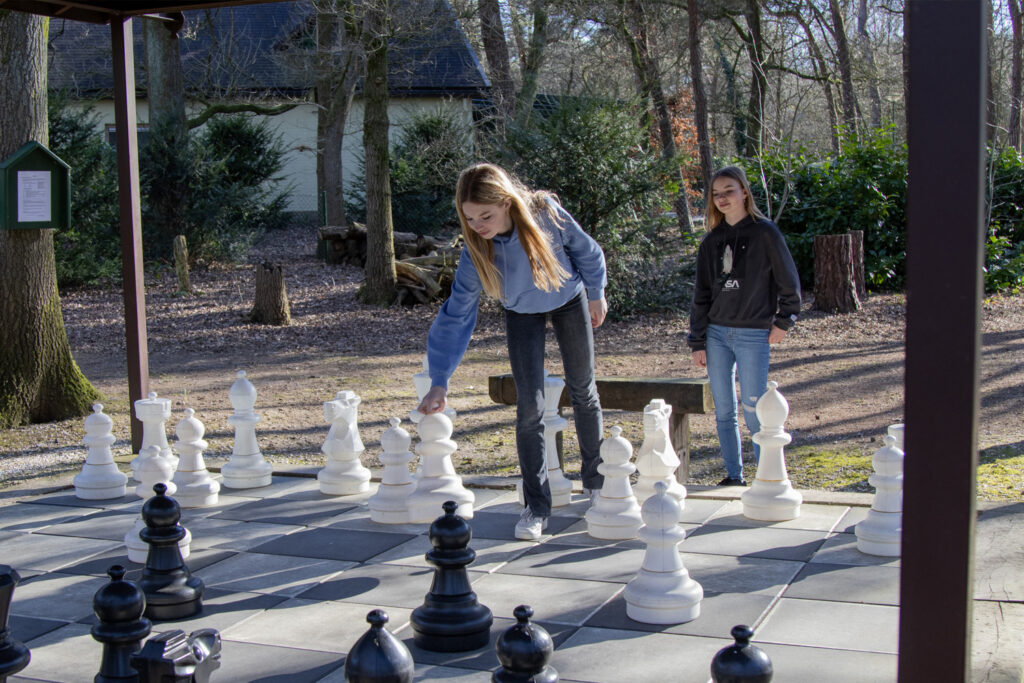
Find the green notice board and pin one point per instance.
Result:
(35, 190)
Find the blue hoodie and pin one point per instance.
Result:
(578, 253)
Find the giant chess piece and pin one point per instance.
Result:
(195, 486)
(390, 504)
(615, 514)
(100, 479)
(246, 468)
(741, 662)
(171, 590)
(14, 656)
(561, 488)
(153, 412)
(879, 533)
(662, 592)
(153, 470)
(119, 606)
(450, 618)
(439, 482)
(524, 651)
(173, 657)
(343, 473)
(897, 432)
(379, 657)
(656, 459)
(421, 381)
(771, 498)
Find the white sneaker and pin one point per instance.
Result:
(530, 526)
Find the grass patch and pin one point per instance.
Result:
(812, 467)
(1001, 473)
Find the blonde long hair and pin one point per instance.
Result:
(713, 216)
(491, 184)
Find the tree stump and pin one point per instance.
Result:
(857, 251)
(181, 265)
(270, 306)
(834, 288)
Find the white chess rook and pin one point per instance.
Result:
(152, 470)
(343, 474)
(390, 504)
(153, 412)
(879, 533)
(195, 486)
(615, 515)
(99, 479)
(246, 468)
(771, 497)
(561, 488)
(439, 482)
(656, 459)
(662, 592)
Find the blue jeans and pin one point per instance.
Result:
(733, 351)
(525, 333)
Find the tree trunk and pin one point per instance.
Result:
(821, 70)
(700, 97)
(181, 265)
(1013, 128)
(381, 279)
(991, 117)
(270, 305)
(533, 62)
(39, 379)
(857, 254)
(492, 33)
(834, 288)
(845, 67)
(869, 63)
(759, 79)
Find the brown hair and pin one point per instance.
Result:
(491, 184)
(714, 217)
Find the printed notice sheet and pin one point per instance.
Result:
(33, 196)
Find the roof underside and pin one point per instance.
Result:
(102, 11)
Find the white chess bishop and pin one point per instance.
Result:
(343, 474)
(439, 481)
(771, 497)
(662, 592)
(152, 470)
(390, 504)
(153, 413)
(246, 468)
(881, 531)
(100, 479)
(615, 514)
(656, 459)
(195, 486)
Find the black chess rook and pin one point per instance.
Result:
(171, 590)
(524, 651)
(119, 606)
(379, 657)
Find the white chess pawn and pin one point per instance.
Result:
(421, 381)
(656, 459)
(879, 533)
(100, 479)
(343, 473)
(439, 482)
(662, 592)
(246, 468)
(195, 486)
(152, 470)
(615, 514)
(561, 488)
(771, 497)
(153, 412)
(390, 504)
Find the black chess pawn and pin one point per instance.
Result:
(14, 656)
(378, 657)
(171, 590)
(119, 606)
(524, 651)
(450, 618)
(741, 662)
(173, 657)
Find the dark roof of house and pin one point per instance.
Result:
(265, 49)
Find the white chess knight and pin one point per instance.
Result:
(99, 479)
(421, 381)
(152, 470)
(880, 532)
(662, 592)
(343, 473)
(153, 412)
(615, 514)
(390, 504)
(771, 497)
(438, 482)
(561, 488)
(195, 486)
(246, 468)
(656, 459)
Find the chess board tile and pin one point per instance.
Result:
(229, 534)
(700, 510)
(814, 623)
(303, 508)
(97, 565)
(613, 563)
(67, 654)
(511, 506)
(563, 601)
(279, 485)
(846, 583)
(490, 553)
(739, 574)
(254, 663)
(812, 517)
(28, 517)
(225, 501)
(25, 628)
(275, 574)
(842, 549)
(385, 585)
(35, 597)
(850, 520)
(502, 525)
(70, 500)
(719, 612)
(1001, 576)
(332, 544)
(994, 656)
(359, 518)
(779, 544)
(576, 535)
(49, 553)
(843, 666)
(110, 525)
(427, 672)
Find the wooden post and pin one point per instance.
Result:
(834, 288)
(270, 305)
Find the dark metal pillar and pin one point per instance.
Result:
(945, 234)
(131, 217)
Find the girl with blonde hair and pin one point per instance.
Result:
(526, 251)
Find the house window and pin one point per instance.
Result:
(141, 134)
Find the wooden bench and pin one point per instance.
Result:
(686, 396)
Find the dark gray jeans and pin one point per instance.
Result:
(525, 332)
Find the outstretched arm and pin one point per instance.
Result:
(434, 401)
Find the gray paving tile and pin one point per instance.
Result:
(97, 565)
(255, 663)
(332, 544)
(278, 574)
(843, 666)
(57, 596)
(839, 625)
(849, 522)
(996, 642)
(359, 518)
(228, 534)
(614, 563)
(27, 628)
(999, 554)
(278, 486)
(24, 516)
(564, 601)
(64, 655)
(47, 553)
(501, 525)
(576, 535)
(778, 544)
(718, 614)
(812, 517)
(842, 549)
(222, 610)
(511, 506)
(490, 553)
(427, 672)
(68, 499)
(732, 574)
(386, 585)
(698, 511)
(847, 583)
(110, 525)
(303, 508)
